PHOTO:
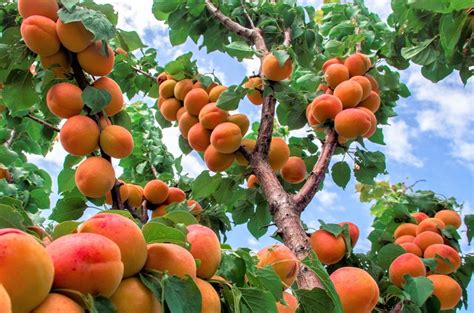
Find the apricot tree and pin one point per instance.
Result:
(157, 244)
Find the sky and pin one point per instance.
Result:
(431, 139)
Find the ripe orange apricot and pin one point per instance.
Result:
(357, 64)
(175, 195)
(195, 100)
(405, 229)
(64, 100)
(294, 170)
(57, 303)
(357, 290)
(352, 123)
(405, 238)
(336, 74)
(163, 76)
(211, 302)
(74, 36)
(39, 34)
(364, 82)
(159, 211)
(210, 116)
(23, 259)
(325, 107)
(426, 239)
(372, 102)
(95, 177)
(116, 103)
(252, 180)
(283, 261)
(442, 252)
(169, 109)
(199, 138)
(272, 69)
(171, 258)
(331, 62)
(310, 117)
(240, 120)
(166, 89)
(279, 153)
(135, 195)
(430, 224)
(94, 61)
(255, 86)
(180, 113)
(46, 8)
(373, 122)
(447, 290)
(116, 141)
(353, 231)
(419, 216)
(133, 296)
(249, 145)
(449, 217)
(349, 92)
(186, 121)
(290, 306)
(86, 262)
(123, 190)
(215, 93)
(205, 247)
(79, 135)
(59, 63)
(126, 235)
(411, 247)
(181, 88)
(226, 137)
(405, 264)
(329, 249)
(156, 191)
(373, 82)
(217, 161)
(194, 207)
(5, 302)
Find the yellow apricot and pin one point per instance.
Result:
(116, 103)
(180, 113)
(181, 88)
(39, 34)
(373, 83)
(211, 302)
(336, 74)
(272, 69)
(135, 195)
(328, 248)
(419, 216)
(405, 229)
(427, 238)
(95, 177)
(405, 238)
(325, 107)
(5, 302)
(353, 231)
(170, 258)
(373, 122)
(331, 62)
(372, 102)
(217, 161)
(294, 170)
(215, 93)
(210, 116)
(79, 135)
(447, 290)
(441, 252)
(291, 304)
(349, 92)
(357, 64)
(74, 36)
(411, 247)
(175, 195)
(352, 123)
(205, 247)
(166, 89)
(133, 296)
(46, 8)
(95, 61)
(449, 217)
(123, 190)
(59, 63)
(405, 264)
(186, 121)
(169, 109)
(249, 145)
(199, 138)
(116, 141)
(194, 207)
(226, 137)
(364, 82)
(156, 191)
(252, 181)
(430, 224)
(255, 86)
(195, 100)
(279, 153)
(64, 100)
(240, 120)
(283, 261)
(57, 303)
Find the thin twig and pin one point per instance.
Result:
(145, 73)
(242, 3)
(287, 35)
(42, 122)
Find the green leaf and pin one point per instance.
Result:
(69, 4)
(7, 156)
(239, 49)
(158, 232)
(184, 145)
(165, 6)
(181, 217)
(71, 160)
(18, 93)
(129, 40)
(96, 99)
(314, 301)
(181, 295)
(68, 209)
(410, 52)
(269, 280)
(106, 9)
(233, 268)
(64, 228)
(387, 254)
(10, 218)
(469, 221)
(205, 185)
(66, 181)
(257, 301)
(152, 281)
(161, 120)
(258, 224)
(341, 174)
(281, 56)
(334, 229)
(102, 304)
(178, 36)
(122, 119)
(450, 28)
(229, 100)
(419, 289)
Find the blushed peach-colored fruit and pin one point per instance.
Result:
(372, 102)
(126, 235)
(283, 261)
(411, 247)
(364, 82)
(447, 290)
(322, 87)
(373, 82)
(252, 180)
(427, 238)
(209, 88)
(430, 224)
(95, 61)
(116, 103)
(94, 177)
(5, 302)
(64, 100)
(180, 113)
(331, 62)
(272, 69)
(205, 247)
(171, 258)
(405, 238)
(104, 122)
(325, 107)
(156, 191)
(290, 306)
(294, 170)
(88, 263)
(357, 64)
(39, 34)
(24, 260)
(199, 138)
(175, 195)
(405, 264)
(249, 145)
(336, 74)
(357, 290)
(46, 8)
(79, 135)
(255, 86)
(169, 109)
(59, 63)
(405, 229)
(449, 217)
(352, 123)
(226, 137)
(330, 249)
(349, 92)
(194, 207)
(279, 153)
(373, 122)
(419, 216)
(133, 296)
(215, 93)
(217, 161)
(57, 303)
(310, 117)
(135, 195)
(124, 192)
(181, 88)
(116, 141)
(74, 36)
(353, 231)
(163, 76)
(240, 120)
(195, 100)
(159, 211)
(441, 253)
(211, 302)
(210, 116)
(166, 89)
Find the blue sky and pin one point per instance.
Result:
(431, 139)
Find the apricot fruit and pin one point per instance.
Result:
(353, 231)
(328, 248)
(372, 102)
(215, 93)
(357, 64)
(5, 303)
(357, 290)
(240, 120)
(57, 303)
(64, 100)
(310, 117)
(427, 238)
(199, 138)
(405, 229)
(405, 264)
(364, 82)
(255, 86)
(59, 63)
(279, 153)
(116, 103)
(336, 74)
(166, 89)
(46, 8)
(79, 135)
(226, 137)
(449, 217)
(116, 141)
(24, 260)
(252, 180)
(447, 290)
(74, 36)
(430, 224)
(180, 113)
(211, 302)
(273, 70)
(95, 61)
(163, 76)
(181, 88)
(283, 261)
(205, 247)
(373, 122)
(186, 121)
(135, 195)
(331, 62)
(159, 211)
(156, 191)
(294, 170)
(194, 207)
(133, 296)
(352, 123)
(195, 100)
(405, 238)
(210, 116)
(249, 145)
(170, 258)
(411, 247)
(86, 262)
(95, 177)
(373, 83)
(169, 109)
(175, 195)
(447, 258)
(325, 107)
(124, 192)
(217, 161)
(39, 34)
(290, 306)
(349, 92)
(419, 216)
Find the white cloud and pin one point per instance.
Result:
(398, 137)
(326, 198)
(251, 66)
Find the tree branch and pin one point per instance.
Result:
(42, 122)
(287, 34)
(265, 130)
(138, 70)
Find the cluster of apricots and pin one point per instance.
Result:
(56, 43)
(424, 239)
(351, 98)
(102, 257)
